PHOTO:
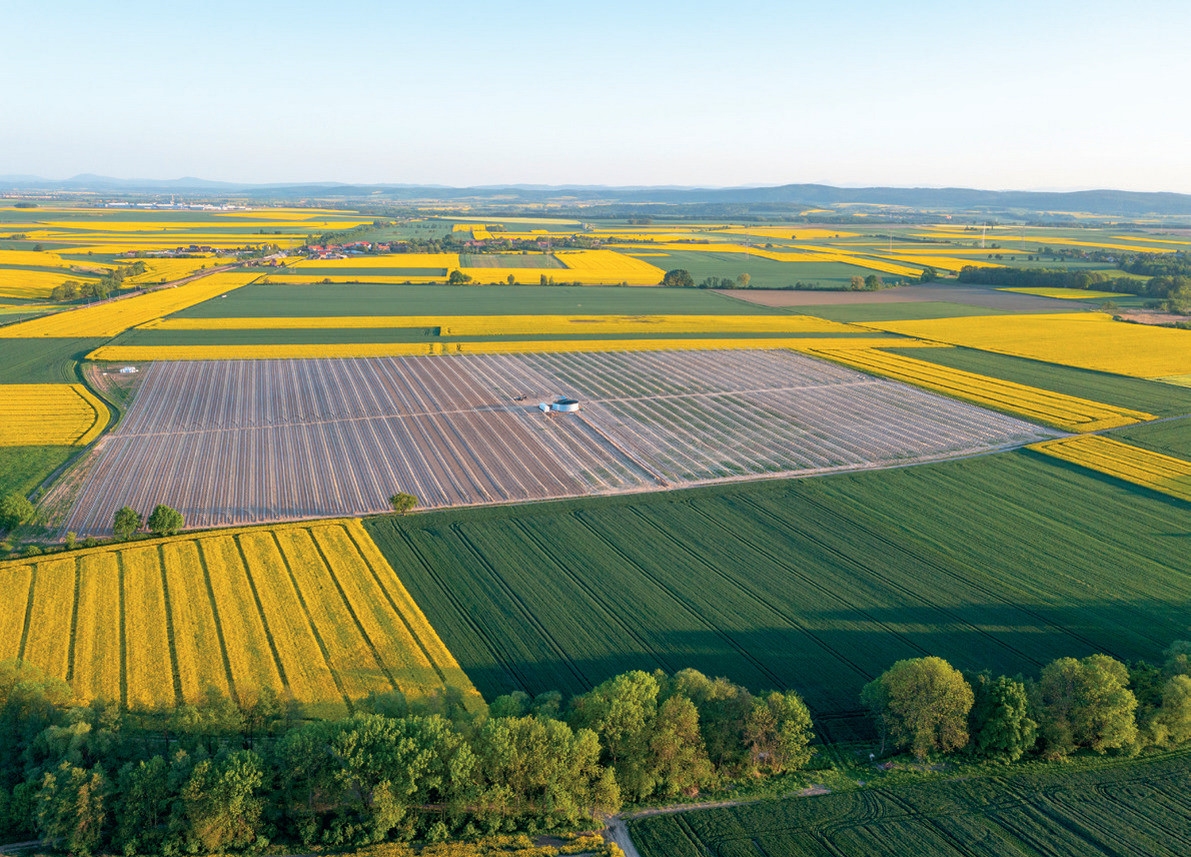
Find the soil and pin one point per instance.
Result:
(972, 296)
(1153, 316)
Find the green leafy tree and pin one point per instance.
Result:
(676, 749)
(928, 275)
(219, 807)
(15, 509)
(540, 768)
(146, 793)
(779, 732)
(921, 704)
(622, 712)
(1086, 703)
(1173, 720)
(873, 282)
(856, 284)
(679, 278)
(126, 522)
(166, 521)
(723, 710)
(403, 503)
(72, 808)
(1002, 728)
(458, 278)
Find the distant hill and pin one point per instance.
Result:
(1110, 203)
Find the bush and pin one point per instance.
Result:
(166, 521)
(15, 509)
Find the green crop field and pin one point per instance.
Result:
(1154, 397)
(1170, 438)
(1004, 562)
(42, 361)
(764, 273)
(305, 301)
(1133, 808)
(23, 468)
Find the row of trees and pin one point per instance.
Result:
(1169, 278)
(97, 289)
(220, 775)
(163, 521)
(925, 706)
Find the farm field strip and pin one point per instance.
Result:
(1085, 340)
(815, 585)
(1133, 808)
(50, 414)
(250, 442)
(114, 316)
(343, 350)
(1057, 409)
(314, 613)
(523, 325)
(1143, 467)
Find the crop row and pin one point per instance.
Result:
(46, 414)
(255, 441)
(1045, 406)
(1144, 467)
(314, 612)
(1001, 562)
(1137, 808)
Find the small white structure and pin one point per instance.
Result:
(544, 407)
(129, 370)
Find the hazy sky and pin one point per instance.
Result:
(994, 95)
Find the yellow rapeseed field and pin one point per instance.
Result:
(312, 611)
(1086, 340)
(36, 414)
(16, 283)
(115, 316)
(1056, 409)
(1064, 294)
(1130, 463)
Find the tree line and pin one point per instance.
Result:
(1169, 283)
(99, 289)
(926, 706)
(222, 775)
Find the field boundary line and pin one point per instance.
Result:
(318, 638)
(346, 603)
(529, 615)
(74, 623)
(897, 587)
(681, 601)
(748, 593)
(123, 631)
(179, 695)
(260, 609)
(613, 613)
(497, 653)
(400, 614)
(218, 620)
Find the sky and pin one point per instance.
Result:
(1006, 95)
